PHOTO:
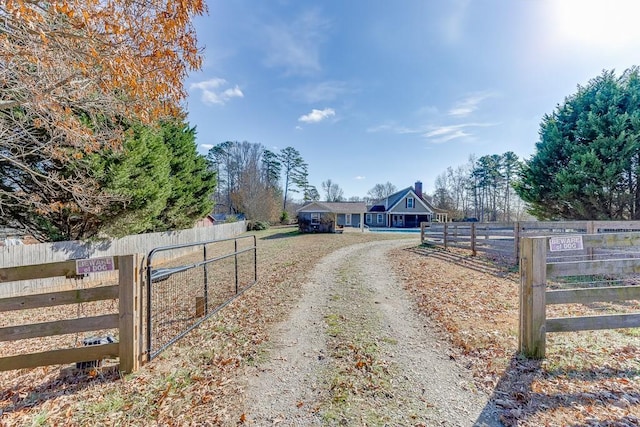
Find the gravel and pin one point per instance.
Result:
(409, 378)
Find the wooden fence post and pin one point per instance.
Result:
(516, 239)
(591, 229)
(473, 239)
(533, 272)
(129, 311)
(444, 233)
(422, 233)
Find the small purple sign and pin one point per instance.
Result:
(568, 243)
(95, 265)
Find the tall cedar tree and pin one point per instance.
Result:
(272, 168)
(191, 181)
(155, 182)
(139, 175)
(587, 162)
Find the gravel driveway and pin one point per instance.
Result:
(354, 352)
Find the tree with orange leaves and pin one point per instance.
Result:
(71, 73)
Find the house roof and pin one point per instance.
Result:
(223, 217)
(395, 198)
(409, 192)
(335, 207)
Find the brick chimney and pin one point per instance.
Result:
(418, 189)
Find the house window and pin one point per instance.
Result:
(347, 219)
(368, 218)
(410, 202)
(315, 218)
(379, 219)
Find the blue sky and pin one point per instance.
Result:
(377, 91)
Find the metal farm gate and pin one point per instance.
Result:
(186, 284)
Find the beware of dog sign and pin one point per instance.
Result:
(95, 265)
(568, 243)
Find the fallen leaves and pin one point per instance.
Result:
(588, 378)
(207, 366)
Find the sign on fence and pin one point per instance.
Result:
(95, 265)
(571, 243)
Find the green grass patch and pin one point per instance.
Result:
(39, 419)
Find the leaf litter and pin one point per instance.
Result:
(588, 378)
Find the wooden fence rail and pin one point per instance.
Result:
(534, 296)
(127, 320)
(53, 252)
(503, 238)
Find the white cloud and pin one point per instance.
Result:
(469, 104)
(320, 92)
(216, 91)
(448, 136)
(360, 177)
(316, 116)
(441, 134)
(207, 146)
(395, 128)
(295, 46)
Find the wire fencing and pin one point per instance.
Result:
(184, 291)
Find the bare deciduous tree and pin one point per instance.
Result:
(333, 191)
(70, 73)
(380, 191)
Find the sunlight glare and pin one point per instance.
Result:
(608, 24)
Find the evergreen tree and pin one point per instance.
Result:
(510, 167)
(139, 175)
(191, 182)
(292, 165)
(220, 158)
(272, 168)
(587, 162)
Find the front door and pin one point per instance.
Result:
(398, 220)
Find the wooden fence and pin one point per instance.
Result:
(588, 255)
(503, 238)
(127, 320)
(41, 253)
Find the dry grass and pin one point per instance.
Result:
(199, 380)
(588, 379)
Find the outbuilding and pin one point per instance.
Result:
(331, 217)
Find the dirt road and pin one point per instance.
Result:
(354, 352)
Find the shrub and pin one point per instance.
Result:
(284, 217)
(257, 225)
